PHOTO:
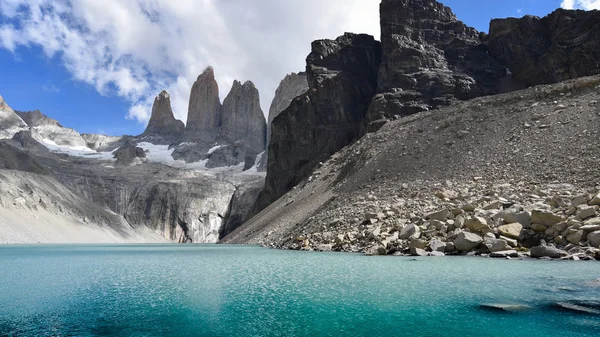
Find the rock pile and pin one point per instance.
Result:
(501, 220)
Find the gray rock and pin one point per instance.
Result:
(418, 252)
(292, 86)
(417, 57)
(505, 253)
(550, 49)
(36, 118)
(524, 218)
(547, 251)
(437, 245)
(243, 121)
(162, 123)
(10, 122)
(204, 110)
(241, 203)
(342, 77)
(128, 152)
(496, 245)
(410, 230)
(594, 238)
(546, 218)
(466, 241)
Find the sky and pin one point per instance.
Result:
(96, 66)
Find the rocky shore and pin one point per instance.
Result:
(504, 220)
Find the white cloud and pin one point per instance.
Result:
(581, 4)
(135, 48)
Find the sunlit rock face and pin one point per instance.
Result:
(10, 122)
(162, 123)
(204, 110)
(243, 120)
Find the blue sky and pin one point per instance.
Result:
(109, 90)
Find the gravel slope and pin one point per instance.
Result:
(541, 135)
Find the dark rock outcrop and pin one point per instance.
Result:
(227, 155)
(162, 123)
(241, 204)
(292, 86)
(128, 152)
(204, 110)
(563, 45)
(36, 118)
(243, 120)
(342, 75)
(25, 140)
(429, 59)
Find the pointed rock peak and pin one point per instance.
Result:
(208, 73)
(249, 84)
(162, 122)
(3, 105)
(36, 118)
(163, 94)
(204, 109)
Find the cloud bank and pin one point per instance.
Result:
(580, 4)
(136, 48)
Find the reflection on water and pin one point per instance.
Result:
(209, 290)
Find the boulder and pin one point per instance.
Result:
(466, 241)
(418, 252)
(544, 217)
(512, 230)
(505, 253)
(594, 239)
(410, 230)
(575, 237)
(585, 211)
(442, 215)
(524, 218)
(547, 251)
(496, 245)
(437, 245)
(476, 224)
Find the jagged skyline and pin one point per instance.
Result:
(85, 71)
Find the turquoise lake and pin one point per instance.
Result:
(214, 290)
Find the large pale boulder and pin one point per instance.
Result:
(466, 241)
(544, 217)
(512, 230)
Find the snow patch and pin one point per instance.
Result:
(214, 148)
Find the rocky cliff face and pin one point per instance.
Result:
(204, 110)
(292, 86)
(105, 193)
(342, 75)
(10, 122)
(37, 118)
(162, 123)
(243, 120)
(429, 59)
(560, 46)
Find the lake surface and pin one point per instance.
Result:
(213, 290)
